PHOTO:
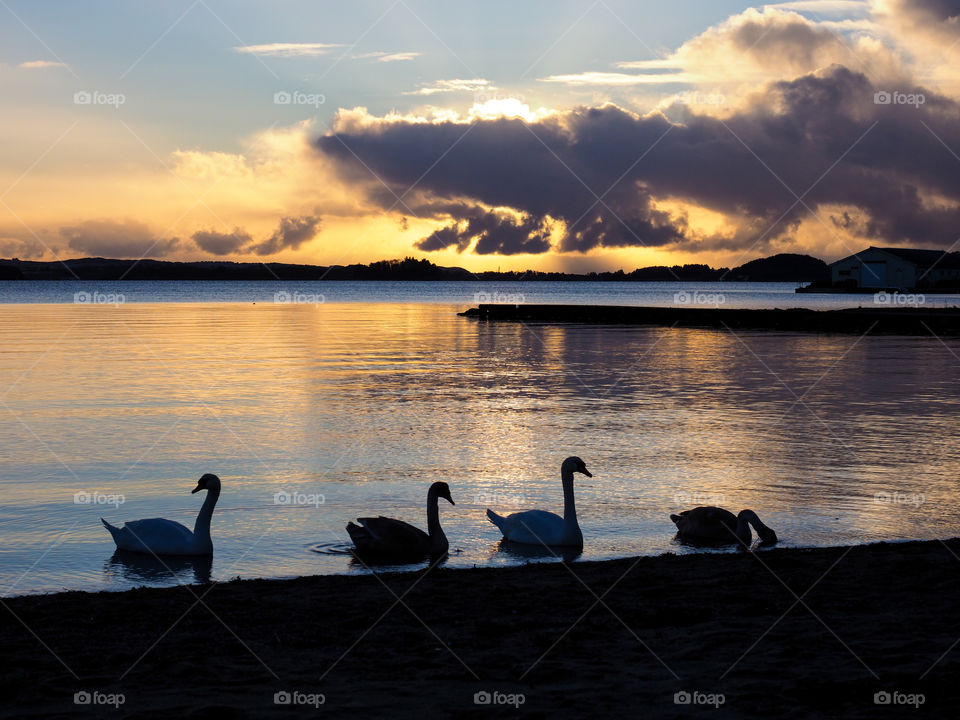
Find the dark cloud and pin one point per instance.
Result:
(217, 243)
(936, 14)
(117, 239)
(291, 234)
(25, 248)
(492, 232)
(823, 138)
(783, 39)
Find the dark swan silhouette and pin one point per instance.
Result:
(387, 539)
(716, 525)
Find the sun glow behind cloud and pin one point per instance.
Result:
(111, 167)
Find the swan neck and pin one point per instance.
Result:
(201, 528)
(569, 504)
(765, 534)
(438, 541)
(433, 515)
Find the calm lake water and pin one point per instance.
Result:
(314, 413)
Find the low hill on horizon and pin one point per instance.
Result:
(783, 267)
(778, 268)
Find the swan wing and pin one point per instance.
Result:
(706, 523)
(388, 536)
(535, 527)
(154, 535)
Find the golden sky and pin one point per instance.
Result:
(619, 137)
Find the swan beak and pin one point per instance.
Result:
(196, 489)
(587, 472)
(450, 500)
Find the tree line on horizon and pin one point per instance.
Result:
(784, 267)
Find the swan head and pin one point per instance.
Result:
(767, 535)
(208, 482)
(574, 464)
(441, 489)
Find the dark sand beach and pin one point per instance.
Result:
(779, 633)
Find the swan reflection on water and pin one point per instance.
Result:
(380, 564)
(525, 551)
(142, 568)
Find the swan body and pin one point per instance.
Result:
(716, 525)
(390, 539)
(158, 536)
(539, 527)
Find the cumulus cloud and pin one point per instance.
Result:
(606, 177)
(217, 243)
(753, 47)
(117, 239)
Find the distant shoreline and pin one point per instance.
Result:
(808, 632)
(779, 268)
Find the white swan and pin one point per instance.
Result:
(166, 537)
(539, 527)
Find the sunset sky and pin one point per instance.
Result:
(549, 135)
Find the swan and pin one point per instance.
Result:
(716, 525)
(166, 537)
(387, 538)
(539, 527)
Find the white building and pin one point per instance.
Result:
(897, 268)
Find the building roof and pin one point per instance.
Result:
(939, 259)
(926, 258)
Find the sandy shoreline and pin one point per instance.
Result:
(869, 619)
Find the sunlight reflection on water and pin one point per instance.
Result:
(831, 438)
